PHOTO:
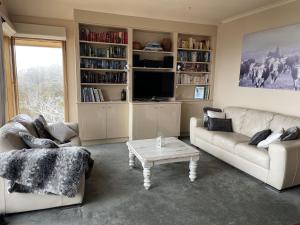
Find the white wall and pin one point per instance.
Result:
(229, 46)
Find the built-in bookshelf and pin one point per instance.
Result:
(109, 56)
(193, 67)
(103, 57)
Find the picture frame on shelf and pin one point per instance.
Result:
(199, 93)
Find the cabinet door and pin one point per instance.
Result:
(117, 120)
(169, 119)
(144, 119)
(92, 121)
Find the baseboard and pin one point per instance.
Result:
(184, 134)
(104, 141)
(269, 187)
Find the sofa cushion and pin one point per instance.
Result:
(61, 132)
(9, 137)
(259, 136)
(255, 121)
(251, 153)
(34, 142)
(205, 116)
(203, 133)
(27, 122)
(274, 137)
(237, 115)
(40, 126)
(290, 134)
(213, 114)
(285, 122)
(228, 141)
(216, 124)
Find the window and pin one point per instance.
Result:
(40, 78)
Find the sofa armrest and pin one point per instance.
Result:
(75, 141)
(73, 126)
(2, 196)
(284, 164)
(196, 122)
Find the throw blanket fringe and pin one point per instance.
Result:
(46, 171)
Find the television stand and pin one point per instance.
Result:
(152, 119)
(153, 99)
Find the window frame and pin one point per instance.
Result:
(41, 43)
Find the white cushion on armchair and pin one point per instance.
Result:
(61, 132)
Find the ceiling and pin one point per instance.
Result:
(196, 11)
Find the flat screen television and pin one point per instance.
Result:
(153, 85)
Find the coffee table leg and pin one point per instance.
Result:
(193, 169)
(131, 160)
(147, 176)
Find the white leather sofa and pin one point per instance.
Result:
(21, 202)
(279, 166)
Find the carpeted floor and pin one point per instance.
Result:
(221, 195)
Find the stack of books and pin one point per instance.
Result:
(120, 37)
(89, 94)
(108, 52)
(108, 77)
(153, 46)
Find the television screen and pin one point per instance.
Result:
(157, 85)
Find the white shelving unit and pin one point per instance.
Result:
(114, 118)
(194, 66)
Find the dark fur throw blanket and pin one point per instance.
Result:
(46, 171)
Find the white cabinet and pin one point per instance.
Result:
(144, 121)
(117, 120)
(102, 121)
(168, 116)
(92, 121)
(148, 120)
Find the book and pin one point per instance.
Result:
(96, 93)
(101, 95)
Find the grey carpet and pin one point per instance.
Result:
(221, 195)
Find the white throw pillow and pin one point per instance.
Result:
(61, 132)
(275, 136)
(219, 115)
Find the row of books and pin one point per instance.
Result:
(190, 79)
(193, 67)
(109, 51)
(102, 64)
(108, 77)
(193, 56)
(120, 37)
(89, 94)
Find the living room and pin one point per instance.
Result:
(161, 112)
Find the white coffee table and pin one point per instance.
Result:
(149, 155)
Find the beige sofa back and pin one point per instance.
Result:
(250, 121)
